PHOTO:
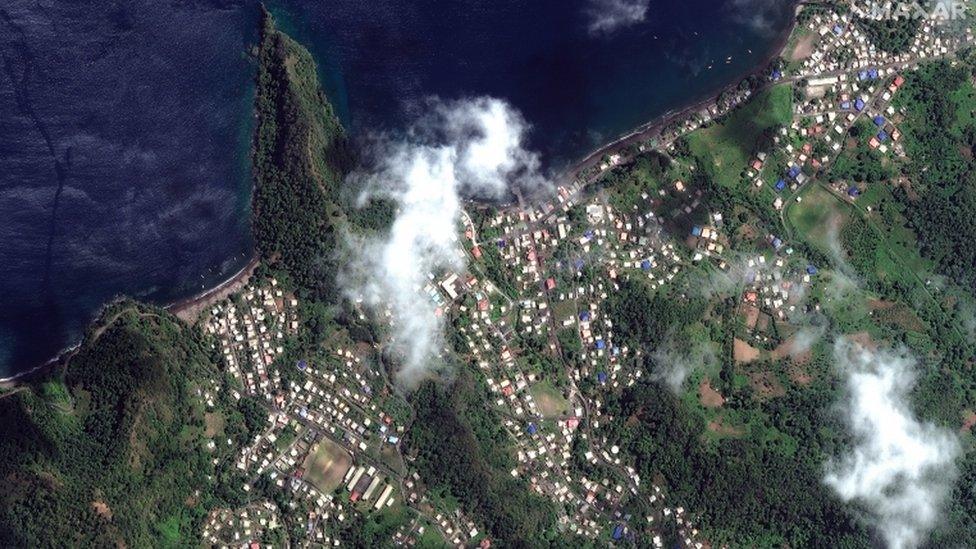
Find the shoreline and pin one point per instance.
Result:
(652, 128)
(643, 132)
(202, 298)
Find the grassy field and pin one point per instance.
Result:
(729, 144)
(549, 400)
(818, 217)
(965, 99)
(326, 465)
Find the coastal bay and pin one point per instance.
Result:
(182, 199)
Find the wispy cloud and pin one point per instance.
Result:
(760, 15)
(900, 468)
(678, 358)
(606, 16)
(461, 148)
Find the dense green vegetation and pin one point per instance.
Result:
(749, 492)
(299, 156)
(462, 448)
(111, 452)
(942, 205)
(644, 320)
(890, 34)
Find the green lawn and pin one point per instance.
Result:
(730, 143)
(816, 216)
(549, 399)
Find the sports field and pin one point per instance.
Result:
(326, 464)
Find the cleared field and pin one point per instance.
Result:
(819, 218)
(549, 400)
(326, 465)
(214, 424)
(802, 45)
(729, 144)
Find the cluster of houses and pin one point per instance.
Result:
(842, 47)
(250, 333)
(242, 527)
(531, 314)
(564, 265)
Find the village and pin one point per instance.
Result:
(531, 315)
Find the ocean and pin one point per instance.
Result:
(125, 126)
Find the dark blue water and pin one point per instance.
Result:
(124, 125)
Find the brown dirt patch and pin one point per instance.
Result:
(766, 385)
(102, 509)
(214, 424)
(799, 375)
(968, 421)
(804, 47)
(909, 190)
(709, 397)
(880, 304)
(748, 232)
(751, 314)
(719, 427)
(743, 352)
(787, 349)
(863, 339)
(763, 323)
(897, 314)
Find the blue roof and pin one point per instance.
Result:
(696, 230)
(588, 233)
(531, 429)
(811, 269)
(794, 171)
(879, 120)
(854, 191)
(646, 265)
(600, 344)
(862, 75)
(882, 135)
(777, 243)
(501, 243)
(780, 185)
(873, 73)
(301, 364)
(618, 531)
(838, 30)
(601, 377)
(845, 105)
(777, 75)
(859, 104)
(585, 315)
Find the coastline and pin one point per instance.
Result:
(652, 128)
(188, 308)
(193, 303)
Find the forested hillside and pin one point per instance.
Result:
(299, 157)
(111, 450)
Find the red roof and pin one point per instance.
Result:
(476, 252)
(550, 283)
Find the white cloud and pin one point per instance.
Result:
(761, 15)
(606, 16)
(678, 358)
(901, 469)
(462, 148)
